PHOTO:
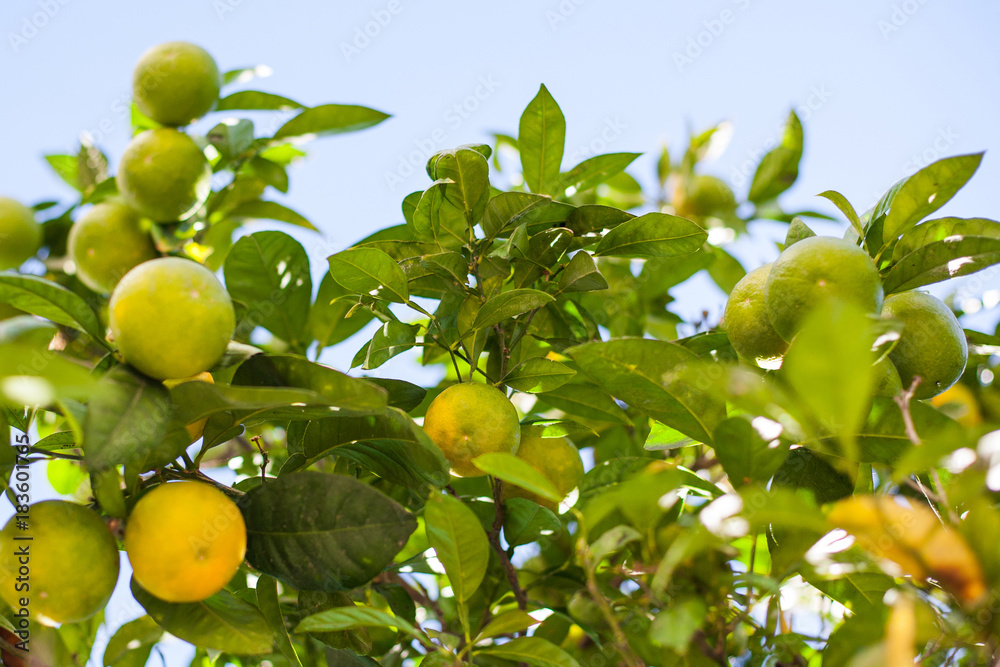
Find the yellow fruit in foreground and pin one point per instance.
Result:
(164, 175)
(746, 322)
(20, 233)
(814, 270)
(932, 344)
(175, 83)
(469, 419)
(171, 318)
(108, 242)
(185, 541)
(71, 565)
(914, 539)
(194, 429)
(556, 458)
(959, 403)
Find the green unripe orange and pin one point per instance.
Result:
(20, 233)
(175, 83)
(556, 458)
(164, 175)
(746, 322)
(107, 242)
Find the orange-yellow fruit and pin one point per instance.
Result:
(109, 240)
(171, 318)
(71, 568)
(185, 540)
(959, 403)
(164, 175)
(556, 458)
(175, 83)
(469, 419)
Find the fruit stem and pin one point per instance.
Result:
(508, 568)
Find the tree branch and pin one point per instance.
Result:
(494, 537)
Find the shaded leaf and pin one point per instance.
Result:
(653, 235)
(459, 541)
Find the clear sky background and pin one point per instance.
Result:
(882, 86)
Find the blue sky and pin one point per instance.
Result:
(882, 86)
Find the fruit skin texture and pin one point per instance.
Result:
(185, 541)
(469, 419)
(887, 382)
(195, 429)
(556, 458)
(932, 344)
(746, 321)
(73, 562)
(164, 175)
(960, 403)
(20, 233)
(171, 318)
(815, 269)
(175, 82)
(108, 242)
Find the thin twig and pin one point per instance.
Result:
(903, 399)
(943, 495)
(494, 536)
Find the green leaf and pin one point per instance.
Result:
(389, 444)
(231, 139)
(53, 302)
(804, 469)
(509, 210)
(840, 201)
(348, 618)
(402, 394)
(321, 531)
(941, 229)
(533, 651)
(468, 172)
(267, 600)
(313, 602)
(371, 272)
(132, 643)
(594, 171)
(330, 119)
(779, 168)
(833, 372)
(390, 339)
(510, 304)
(744, 454)
(525, 521)
(518, 472)
(648, 375)
(437, 219)
(34, 374)
(541, 140)
(67, 167)
(725, 270)
(674, 626)
(269, 273)
(126, 418)
(928, 190)
(255, 100)
(538, 374)
(328, 322)
(276, 176)
(941, 260)
(223, 622)
(594, 218)
(459, 541)
(257, 209)
(653, 235)
(507, 623)
(581, 275)
(587, 401)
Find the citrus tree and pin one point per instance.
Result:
(594, 481)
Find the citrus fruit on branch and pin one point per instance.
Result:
(175, 83)
(108, 242)
(469, 419)
(20, 233)
(746, 322)
(185, 541)
(171, 318)
(556, 458)
(164, 175)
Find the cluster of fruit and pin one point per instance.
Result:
(170, 318)
(767, 307)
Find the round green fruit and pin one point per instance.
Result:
(175, 83)
(556, 458)
(932, 345)
(887, 381)
(73, 565)
(164, 175)
(106, 243)
(746, 321)
(171, 318)
(20, 233)
(703, 196)
(815, 270)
